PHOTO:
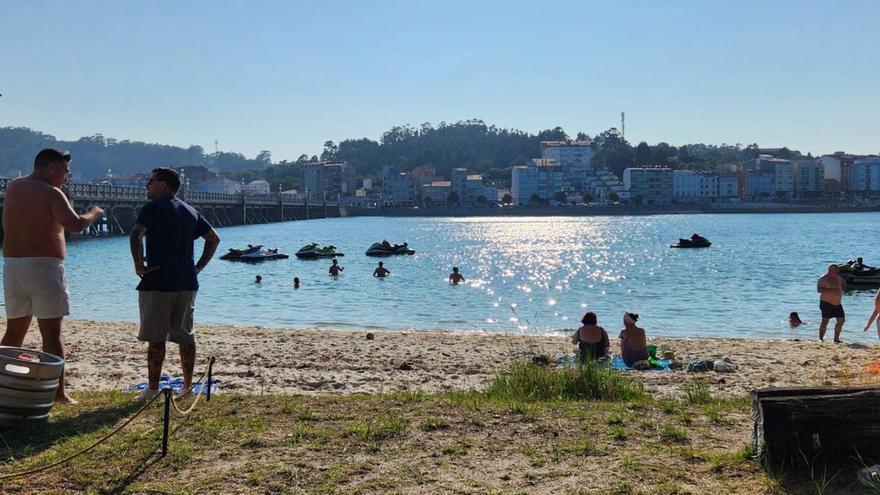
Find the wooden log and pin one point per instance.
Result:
(830, 425)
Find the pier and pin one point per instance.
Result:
(122, 205)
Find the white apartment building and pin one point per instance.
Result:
(865, 176)
(397, 188)
(576, 160)
(650, 186)
(543, 177)
(685, 186)
(257, 187)
(728, 187)
(809, 178)
(782, 170)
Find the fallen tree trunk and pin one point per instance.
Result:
(830, 425)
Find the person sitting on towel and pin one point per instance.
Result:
(633, 342)
(591, 339)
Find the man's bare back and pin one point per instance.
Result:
(33, 212)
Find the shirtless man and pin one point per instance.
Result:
(335, 268)
(35, 214)
(830, 288)
(381, 271)
(455, 278)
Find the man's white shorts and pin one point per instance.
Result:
(35, 287)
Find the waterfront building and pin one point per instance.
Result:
(221, 186)
(398, 188)
(837, 167)
(809, 179)
(541, 179)
(576, 160)
(783, 174)
(708, 186)
(758, 185)
(728, 187)
(258, 187)
(685, 186)
(865, 177)
(649, 185)
(329, 180)
(436, 193)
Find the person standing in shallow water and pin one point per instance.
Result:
(335, 269)
(169, 277)
(830, 288)
(35, 215)
(381, 271)
(455, 278)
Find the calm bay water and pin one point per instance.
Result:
(532, 275)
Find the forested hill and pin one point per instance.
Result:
(472, 144)
(93, 155)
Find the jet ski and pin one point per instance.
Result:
(262, 255)
(857, 273)
(386, 249)
(696, 241)
(234, 254)
(312, 251)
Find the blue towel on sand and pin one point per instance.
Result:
(176, 384)
(618, 364)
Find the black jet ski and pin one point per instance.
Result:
(385, 249)
(234, 254)
(312, 251)
(262, 255)
(856, 273)
(695, 241)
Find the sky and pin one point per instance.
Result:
(286, 76)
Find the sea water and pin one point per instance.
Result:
(530, 275)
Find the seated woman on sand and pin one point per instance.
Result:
(591, 339)
(633, 342)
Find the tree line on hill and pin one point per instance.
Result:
(481, 148)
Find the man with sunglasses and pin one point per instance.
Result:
(35, 214)
(169, 277)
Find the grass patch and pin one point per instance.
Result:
(526, 382)
(673, 435)
(617, 433)
(433, 424)
(698, 393)
(379, 429)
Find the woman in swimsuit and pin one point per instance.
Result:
(633, 342)
(592, 340)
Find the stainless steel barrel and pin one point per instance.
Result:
(28, 381)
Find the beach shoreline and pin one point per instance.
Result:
(257, 360)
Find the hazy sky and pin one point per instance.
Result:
(286, 76)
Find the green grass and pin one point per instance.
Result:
(698, 393)
(526, 382)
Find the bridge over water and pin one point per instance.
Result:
(122, 204)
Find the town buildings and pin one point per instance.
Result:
(536, 182)
(329, 180)
(649, 185)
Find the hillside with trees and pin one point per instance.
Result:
(472, 144)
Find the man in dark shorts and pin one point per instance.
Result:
(169, 282)
(830, 288)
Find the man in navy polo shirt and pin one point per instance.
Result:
(169, 282)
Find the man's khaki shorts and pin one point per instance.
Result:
(167, 316)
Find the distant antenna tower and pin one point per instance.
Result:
(623, 125)
(215, 146)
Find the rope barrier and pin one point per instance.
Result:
(123, 425)
(190, 389)
(90, 447)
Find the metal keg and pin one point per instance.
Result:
(28, 382)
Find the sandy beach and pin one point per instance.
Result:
(256, 360)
